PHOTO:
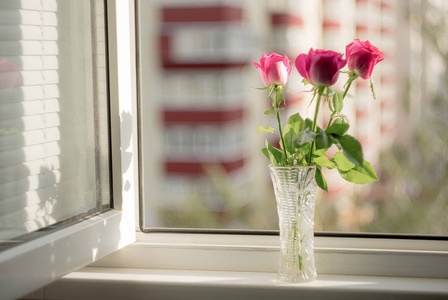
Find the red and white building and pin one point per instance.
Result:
(198, 105)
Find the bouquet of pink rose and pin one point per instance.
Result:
(303, 142)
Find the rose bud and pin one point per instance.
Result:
(320, 67)
(362, 57)
(273, 69)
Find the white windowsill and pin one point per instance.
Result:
(210, 266)
(124, 283)
(259, 253)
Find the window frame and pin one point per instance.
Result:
(359, 254)
(36, 263)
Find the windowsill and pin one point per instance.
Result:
(127, 283)
(259, 253)
(207, 266)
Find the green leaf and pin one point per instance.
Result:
(263, 88)
(271, 156)
(303, 137)
(275, 155)
(319, 152)
(338, 101)
(292, 128)
(266, 153)
(269, 112)
(352, 149)
(334, 141)
(360, 175)
(305, 81)
(320, 180)
(324, 161)
(322, 139)
(262, 129)
(342, 163)
(308, 123)
(278, 154)
(339, 127)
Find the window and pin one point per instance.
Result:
(66, 194)
(231, 252)
(201, 163)
(54, 135)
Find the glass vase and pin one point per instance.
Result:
(295, 192)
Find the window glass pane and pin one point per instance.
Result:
(53, 114)
(202, 163)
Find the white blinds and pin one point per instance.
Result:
(47, 137)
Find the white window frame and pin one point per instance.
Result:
(36, 263)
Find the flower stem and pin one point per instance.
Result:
(299, 241)
(316, 111)
(277, 115)
(351, 78)
(321, 91)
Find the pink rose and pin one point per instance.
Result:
(274, 68)
(362, 57)
(320, 67)
(9, 75)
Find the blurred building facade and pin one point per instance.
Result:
(200, 112)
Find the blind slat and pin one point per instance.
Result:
(34, 63)
(29, 123)
(28, 168)
(28, 93)
(28, 17)
(29, 48)
(21, 186)
(22, 216)
(48, 5)
(39, 77)
(22, 109)
(30, 138)
(51, 206)
(13, 204)
(28, 33)
(30, 153)
(28, 108)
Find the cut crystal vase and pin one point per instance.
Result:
(295, 191)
